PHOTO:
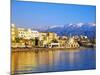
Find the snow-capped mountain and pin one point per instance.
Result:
(88, 29)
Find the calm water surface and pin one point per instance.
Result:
(53, 60)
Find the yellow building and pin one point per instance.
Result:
(72, 43)
(27, 33)
(51, 36)
(13, 32)
(47, 37)
(42, 36)
(62, 42)
(43, 39)
(22, 36)
(21, 32)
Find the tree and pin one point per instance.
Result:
(33, 41)
(54, 41)
(17, 39)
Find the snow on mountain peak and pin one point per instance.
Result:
(93, 24)
(80, 24)
(73, 25)
(56, 26)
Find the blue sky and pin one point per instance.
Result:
(34, 14)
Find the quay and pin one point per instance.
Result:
(39, 49)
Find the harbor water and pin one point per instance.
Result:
(53, 60)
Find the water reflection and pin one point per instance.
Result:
(52, 60)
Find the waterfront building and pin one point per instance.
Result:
(54, 45)
(46, 38)
(62, 42)
(21, 32)
(83, 37)
(72, 43)
(32, 38)
(51, 36)
(27, 33)
(42, 39)
(21, 36)
(13, 32)
(64, 37)
(34, 34)
(42, 36)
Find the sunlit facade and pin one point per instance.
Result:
(27, 33)
(13, 32)
(41, 39)
(71, 43)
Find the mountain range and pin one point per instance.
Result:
(87, 29)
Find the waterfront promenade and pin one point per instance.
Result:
(44, 49)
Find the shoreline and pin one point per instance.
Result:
(42, 49)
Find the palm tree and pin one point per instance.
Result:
(17, 39)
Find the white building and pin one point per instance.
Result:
(35, 34)
(21, 32)
(27, 33)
